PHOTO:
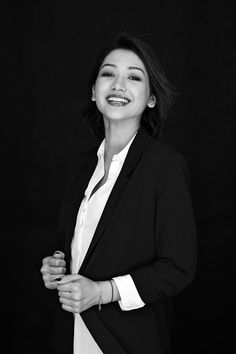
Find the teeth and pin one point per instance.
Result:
(118, 99)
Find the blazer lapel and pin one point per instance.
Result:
(77, 194)
(117, 194)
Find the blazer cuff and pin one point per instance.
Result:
(130, 299)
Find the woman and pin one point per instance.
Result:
(126, 228)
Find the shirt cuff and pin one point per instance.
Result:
(130, 299)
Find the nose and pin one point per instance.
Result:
(119, 84)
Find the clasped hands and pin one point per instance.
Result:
(76, 292)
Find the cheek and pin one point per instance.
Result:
(143, 97)
(101, 85)
(100, 105)
(100, 102)
(98, 90)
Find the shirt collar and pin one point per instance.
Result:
(121, 155)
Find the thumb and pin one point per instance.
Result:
(69, 278)
(59, 254)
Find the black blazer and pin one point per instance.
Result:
(147, 230)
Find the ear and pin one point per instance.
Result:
(152, 101)
(93, 94)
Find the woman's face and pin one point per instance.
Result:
(122, 86)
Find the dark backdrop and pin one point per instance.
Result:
(48, 48)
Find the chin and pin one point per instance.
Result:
(112, 115)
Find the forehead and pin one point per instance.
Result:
(125, 58)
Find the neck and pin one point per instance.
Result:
(117, 136)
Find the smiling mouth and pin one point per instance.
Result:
(117, 100)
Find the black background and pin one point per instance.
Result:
(48, 49)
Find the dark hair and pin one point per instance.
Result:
(152, 118)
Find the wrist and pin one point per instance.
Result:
(105, 292)
(116, 293)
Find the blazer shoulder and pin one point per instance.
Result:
(160, 152)
(167, 163)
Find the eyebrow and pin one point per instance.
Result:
(129, 68)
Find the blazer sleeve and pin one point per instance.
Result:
(175, 236)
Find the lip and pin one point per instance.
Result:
(117, 100)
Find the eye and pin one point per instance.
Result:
(107, 74)
(134, 78)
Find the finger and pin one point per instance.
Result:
(75, 305)
(43, 269)
(65, 294)
(67, 308)
(58, 277)
(52, 270)
(52, 278)
(70, 278)
(51, 261)
(56, 262)
(46, 259)
(59, 254)
(56, 270)
(67, 302)
(51, 286)
(64, 287)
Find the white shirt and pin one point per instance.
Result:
(89, 214)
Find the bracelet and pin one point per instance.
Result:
(100, 298)
(111, 290)
(100, 303)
